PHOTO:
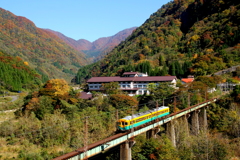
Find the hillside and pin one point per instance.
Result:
(16, 75)
(197, 37)
(97, 49)
(43, 50)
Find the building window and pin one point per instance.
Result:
(128, 86)
(96, 86)
(135, 86)
(91, 86)
(139, 86)
(144, 86)
(140, 92)
(124, 86)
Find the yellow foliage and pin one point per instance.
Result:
(26, 63)
(221, 2)
(178, 22)
(73, 100)
(195, 37)
(209, 50)
(146, 47)
(60, 86)
(226, 12)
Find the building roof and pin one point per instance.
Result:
(187, 80)
(132, 79)
(129, 73)
(85, 95)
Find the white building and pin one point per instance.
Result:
(132, 82)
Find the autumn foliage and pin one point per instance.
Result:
(55, 87)
(122, 101)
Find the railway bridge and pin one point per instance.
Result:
(196, 114)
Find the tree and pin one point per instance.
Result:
(208, 81)
(55, 87)
(111, 88)
(160, 90)
(161, 60)
(172, 69)
(122, 101)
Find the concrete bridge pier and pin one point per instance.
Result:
(171, 132)
(185, 123)
(203, 119)
(195, 122)
(125, 150)
(152, 133)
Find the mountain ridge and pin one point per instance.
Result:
(99, 47)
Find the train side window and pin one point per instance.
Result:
(126, 123)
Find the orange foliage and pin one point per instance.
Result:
(141, 57)
(236, 78)
(152, 156)
(19, 59)
(195, 56)
(32, 104)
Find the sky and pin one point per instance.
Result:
(85, 19)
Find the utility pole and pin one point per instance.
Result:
(116, 119)
(86, 139)
(175, 104)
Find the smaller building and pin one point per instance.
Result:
(187, 80)
(134, 83)
(85, 95)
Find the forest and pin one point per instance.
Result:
(16, 75)
(184, 37)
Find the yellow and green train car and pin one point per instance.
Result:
(138, 119)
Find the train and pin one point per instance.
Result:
(135, 120)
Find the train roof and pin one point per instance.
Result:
(144, 113)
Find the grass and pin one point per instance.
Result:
(5, 99)
(6, 116)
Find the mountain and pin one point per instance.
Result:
(197, 37)
(98, 48)
(43, 50)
